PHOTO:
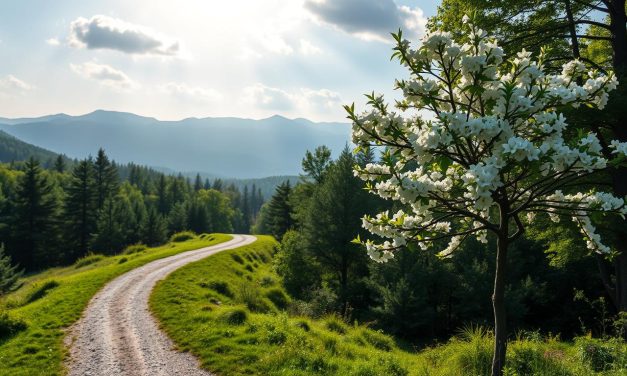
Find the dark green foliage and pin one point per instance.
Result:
(9, 274)
(9, 326)
(80, 209)
(33, 221)
(111, 234)
(297, 267)
(280, 211)
(220, 287)
(236, 316)
(278, 298)
(38, 291)
(105, 179)
(316, 164)
(598, 354)
(89, 259)
(153, 228)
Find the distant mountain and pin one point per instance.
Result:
(225, 147)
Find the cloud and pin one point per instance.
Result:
(368, 19)
(186, 92)
(302, 100)
(102, 32)
(307, 48)
(11, 85)
(268, 97)
(53, 41)
(104, 74)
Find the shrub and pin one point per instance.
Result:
(220, 287)
(250, 295)
(182, 236)
(89, 259)
(334, 324)
(597, 354)
(236, 316)
(278, 298)
(135, 248)
(267, 281)
(238, 259)
(122, 260)
(249, 268)
(9, 326)
(378, 340)
(40, 290)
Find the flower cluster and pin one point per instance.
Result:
(495, 139)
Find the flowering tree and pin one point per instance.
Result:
(482, 148)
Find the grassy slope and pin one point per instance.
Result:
(206, 308)
(39, 349)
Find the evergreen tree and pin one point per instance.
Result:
(154, 229)
(32, 241)
(280, 211)
(9, 274)
(197, 220)
(105, 178)
(163, 204)
(315, 164)
(80, 208)
(245, 212)
(59, 164)
(197, 183)
(177, 220)
(218, 185)
(110, 235)
(207, 184)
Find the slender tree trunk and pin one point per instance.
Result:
(498, 297)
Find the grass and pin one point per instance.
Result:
(38, 313)
(234, 320)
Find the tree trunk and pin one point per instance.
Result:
(498, 297)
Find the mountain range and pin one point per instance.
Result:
(223, 147)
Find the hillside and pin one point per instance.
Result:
(227, 147)
(13, 149)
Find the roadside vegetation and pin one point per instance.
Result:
(232, 311)
(34, 318)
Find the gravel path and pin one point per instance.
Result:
(117, 335)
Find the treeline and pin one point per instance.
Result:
(417, 295)
(54, 216)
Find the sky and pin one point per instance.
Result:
(200, 58)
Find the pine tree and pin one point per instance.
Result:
(197, 183)
(207, 184)
(245, 212)
(218, 185)
(177, 219)
(34, 218)
(154, 229)
(9, 274)
(110, 235)
(105, 178)
(59, 164)
(163, 204)
(280, 211)
(80, 207)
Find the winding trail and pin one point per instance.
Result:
(117, 334)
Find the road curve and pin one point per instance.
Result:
(117, 335)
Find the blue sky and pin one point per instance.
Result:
(172, 60)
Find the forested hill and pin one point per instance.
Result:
(226, 147)
(13, 149)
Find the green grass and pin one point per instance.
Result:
(234, 320)
(51, 301)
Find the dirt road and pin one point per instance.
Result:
(117, 335)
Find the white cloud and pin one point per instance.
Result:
(103, 32)
(53, 41)
(104, 74)
(307, 48)
(187, 92)
(268, 97)
(11, 85)
(368, 19)
(301, 101)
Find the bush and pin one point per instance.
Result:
(89, 259)
(40, 290)
(236, 316)
(122, 260)
(220, 287)
(378, 340)
(250, 295)
(267, 281)
(9, 326)
(278, 298)
(238, 259)
(182, 236)
(334, 324)
(135, 248)
(598, 355)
